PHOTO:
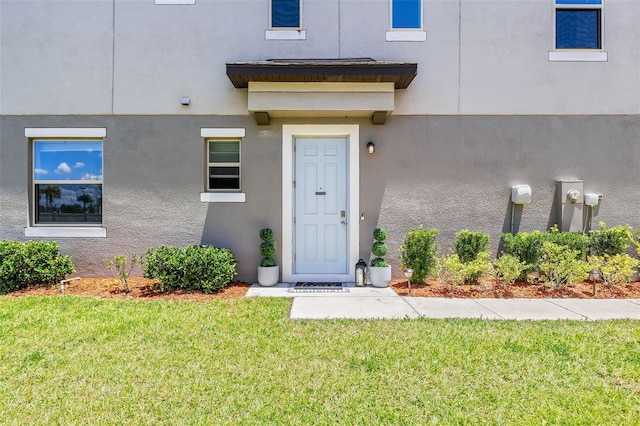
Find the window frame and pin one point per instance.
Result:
(579, 54)
(211, 164)
(404, 33)
(286, 33)
(271, 11)
(224, 133)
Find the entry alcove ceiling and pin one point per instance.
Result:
(321, 87)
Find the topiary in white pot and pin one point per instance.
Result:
(268, 271)
(379, 269)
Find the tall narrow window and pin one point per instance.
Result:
(285, 13)
(406, 14)
(67, 179)
(578, 24)
(223, 167)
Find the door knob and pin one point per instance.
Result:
(343, 223)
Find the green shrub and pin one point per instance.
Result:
(469, 244)
(267, 248)
(509, 268)
(31, 263)
(457, 272)
(122, 267)
(205, 268)
(418, 252)
(615, 269)
(561, 266)
(379, 248)
(610, 241)
(570, 240)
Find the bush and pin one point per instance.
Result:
(560, 266)
(122, 267)
(267, 248)
(31, 263)
(418, 252)
(205, 268)
(612, 241)
(509, 268)
(469, 244)
(379, 248)
(615, 269)
(457, 272)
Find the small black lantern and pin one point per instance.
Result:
(361, 271)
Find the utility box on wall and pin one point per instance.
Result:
(570, 201)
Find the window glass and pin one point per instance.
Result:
(406, 14)
(67, 178)
(285, 13)
(578, 28)
(223, 168)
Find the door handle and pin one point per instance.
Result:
(343, 223)
(321, 193)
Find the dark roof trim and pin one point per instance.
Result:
(360, 70)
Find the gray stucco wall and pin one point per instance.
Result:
(447, 172)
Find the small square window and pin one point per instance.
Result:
(223, 165)
(578, 24)
(285, 13)
(406, 14)
(67, 182)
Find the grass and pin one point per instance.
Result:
(74, 360)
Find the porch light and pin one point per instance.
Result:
(361, 269)
(371, 148)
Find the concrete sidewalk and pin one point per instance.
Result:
(370, 302)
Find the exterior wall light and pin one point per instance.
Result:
(371, 148)
(185, 100)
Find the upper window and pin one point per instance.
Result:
(67, 181)
(406, 14)
(224, 165)
(285, 14)
(578, 24)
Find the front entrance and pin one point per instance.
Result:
(320, 202)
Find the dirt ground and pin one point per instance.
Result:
(146, 289)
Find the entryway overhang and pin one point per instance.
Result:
(360, 87)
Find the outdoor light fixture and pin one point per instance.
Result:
(361, 270)
(408, 273)
(371, 147)
(185, 100)
(594, 275)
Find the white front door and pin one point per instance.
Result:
(320, 205)
(320, 202)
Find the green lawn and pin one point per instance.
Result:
(72, 360)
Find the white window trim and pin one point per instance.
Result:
(285, 34)
(579, 55)
(405, 35)
(222, 197)
(65, 232)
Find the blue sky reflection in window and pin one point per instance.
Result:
(405, 14)
(285, 13)
(578, 27)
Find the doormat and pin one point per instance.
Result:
(311, 287)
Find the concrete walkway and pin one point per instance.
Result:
(370, 302)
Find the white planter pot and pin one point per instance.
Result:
(380, 276)
(268, 275)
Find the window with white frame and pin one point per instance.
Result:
(406, 21)
(285, 14)
(223, 165)
(578, 24)
(67, 181)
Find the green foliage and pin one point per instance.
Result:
(379, 248)
(267, 247)
(379, 234)
(457, 272)
(527, 246)
(615, 269)
(205, 268)
(379, 262)
(122, 267)
(418, 252)
(561, 266)
(266, 234)
(469, 244)
(610, 241)
(509, 268)
(268, 261)
(31, 263)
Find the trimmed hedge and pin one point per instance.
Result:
(204, 268)
(31, 263)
